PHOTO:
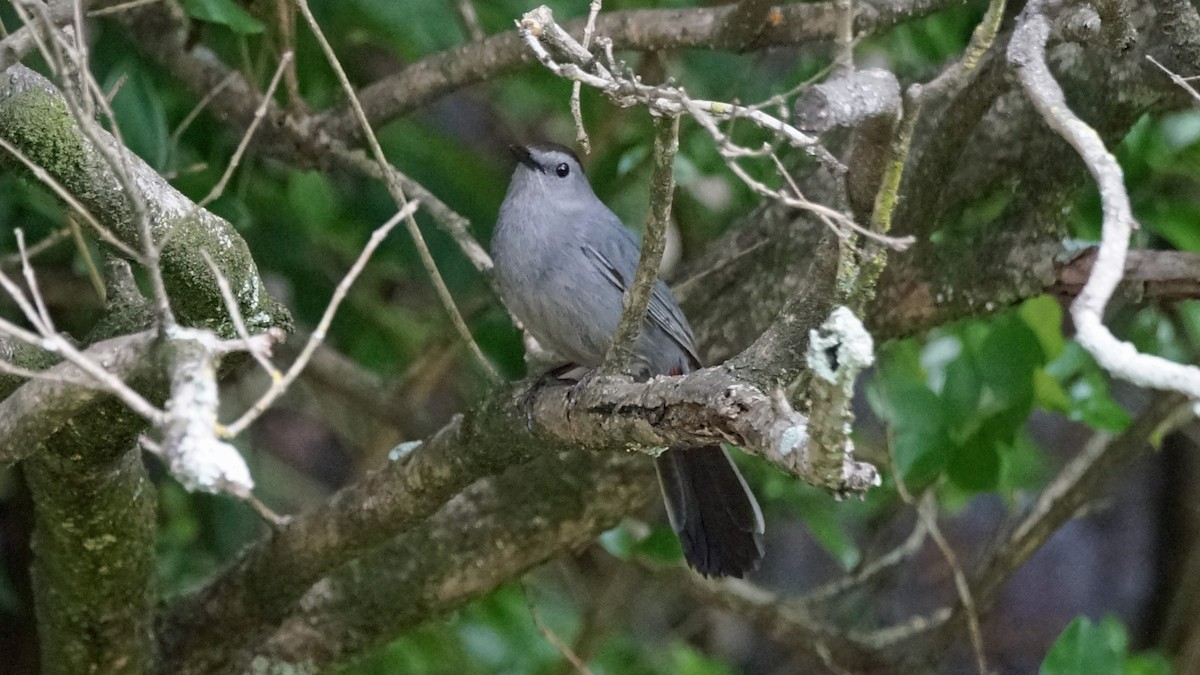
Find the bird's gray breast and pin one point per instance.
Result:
(548, 283)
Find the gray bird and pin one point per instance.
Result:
(563, 261)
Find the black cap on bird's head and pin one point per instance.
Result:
(546, 157)
(549, 174)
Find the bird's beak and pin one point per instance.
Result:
(523, 156)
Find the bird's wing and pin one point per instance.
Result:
(663, 310)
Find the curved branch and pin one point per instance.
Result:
(1027, 52)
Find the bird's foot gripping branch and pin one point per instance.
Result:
(715, 405)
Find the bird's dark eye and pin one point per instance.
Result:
(562, 170)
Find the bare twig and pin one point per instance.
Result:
(905, 551)
(41, 406)
(68, 58)
(562, 647)
(1176, 78)
(235, 315)
(542, 35)
(280, 385)
(397, 192)
(198, 108)
(46, 179)
(844, 38)
(654, 242)
(46, 243)
(121, 7)
(259, 114)
(47, 324)
(581, 135)
(470, 19)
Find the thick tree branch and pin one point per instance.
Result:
(42, 406)
(35, 119)
(249, 599)
(484, 537)
(1160, 275)
(610, 414)
(93, 574)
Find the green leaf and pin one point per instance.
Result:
(619, 542)
(975, 463)
(821, 515)
(1148, 663)
(686, 660)
(660, 545)
(919, 435)
(313, 200)
(1007, 359)
(1048, 393)
(1086, 387)
(224, 12)
(1043, 315)
(1022, 466)
(961, 387)
(1085, 648)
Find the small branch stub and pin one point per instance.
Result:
(837, 352)
(197, 458)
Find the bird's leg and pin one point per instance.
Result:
(563, 374)
(577, 386)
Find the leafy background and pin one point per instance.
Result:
(981, 411)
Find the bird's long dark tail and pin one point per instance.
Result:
(712, 510)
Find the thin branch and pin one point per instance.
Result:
(259, 114)
(905, 551)
(235, 315)
(20, 42)
(199, 108)
(397, 192)
(470, 19)
(46, 243)
(562, 647)
(844, 39)
(1162, 275)
(654, 242)
(49, 181)
(927, 513)
(542, 35)
(280, 384)
(641, 30)
(581, 135)
(43, 405)
(121, 7)
(31, 283)
(1176, 78)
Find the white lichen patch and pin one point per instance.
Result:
(792, 438)
(210, 465)
(841, 348)
(403, 450)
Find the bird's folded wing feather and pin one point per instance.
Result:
(663, 310)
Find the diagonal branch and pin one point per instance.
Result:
(34, 118)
